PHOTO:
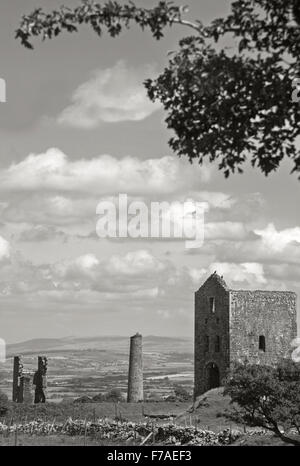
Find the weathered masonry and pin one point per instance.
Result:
(24, 380)
(230, 325)
(135, 375)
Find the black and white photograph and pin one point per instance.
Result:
(150, 226)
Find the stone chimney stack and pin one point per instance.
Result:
(27, 388)
(135, 376)
(40, 380)
(17, 391)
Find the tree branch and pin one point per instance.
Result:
(196, 26)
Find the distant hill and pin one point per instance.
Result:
(151, 343)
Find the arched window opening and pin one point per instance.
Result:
(206, 344)
(217, 344)
(212, 305)
(262, 343)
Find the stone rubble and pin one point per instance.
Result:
(167, 434)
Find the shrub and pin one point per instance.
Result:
(83, 399)
(3, 404)
(99, 398)
(114, 395)
(267, 397)
(182, 394)
(154, 397)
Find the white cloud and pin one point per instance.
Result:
(134, 282)
(4, 249)
(113, 276)
(283, 272)
(247, 275)
(111, 95)
(82, 267)
(102, 175)
(237, 242)
(215, 199)
(134, 263)
(47, 209)
(251, 273)
(225, 230)
(278, 240)
(197, 274)
(39, 233)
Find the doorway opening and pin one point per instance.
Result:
(212, 376)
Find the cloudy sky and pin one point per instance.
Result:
(78, 128)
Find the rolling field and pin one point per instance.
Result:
(91, 366)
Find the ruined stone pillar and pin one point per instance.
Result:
(27, 388)
(21, 390)
(135, 376)
(17, 391)
(40, 380)
(42, 364)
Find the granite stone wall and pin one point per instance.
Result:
(211, 322)
(267, 314)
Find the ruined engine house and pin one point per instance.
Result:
(230, 325)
